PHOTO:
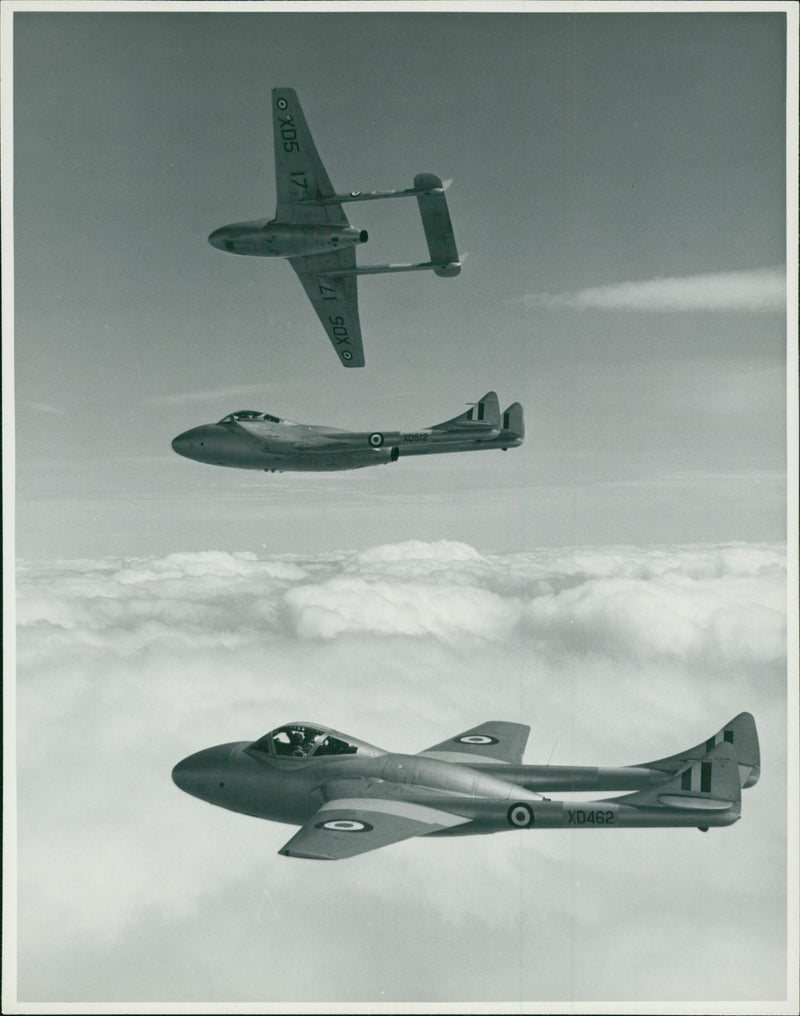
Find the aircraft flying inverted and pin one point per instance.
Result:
(350, 797)
(312, 231)
(253, 440)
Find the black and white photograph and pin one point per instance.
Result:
(539, 706)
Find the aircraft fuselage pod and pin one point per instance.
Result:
(350, 797)
(252, 440)
(266, 238)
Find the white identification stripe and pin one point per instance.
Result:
(399, 809)
(460, 756)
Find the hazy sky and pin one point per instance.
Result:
(590, 154)
(619, 188)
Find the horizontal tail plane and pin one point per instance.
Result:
(437, 225)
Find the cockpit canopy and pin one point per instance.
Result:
(249, 414)
(300, 740)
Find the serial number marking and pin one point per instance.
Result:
(299, 180)
(326, 292)
(339, 329)
(288, 134)
(417, 437)
(580, 817)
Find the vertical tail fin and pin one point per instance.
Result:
(740, 732)
(483, 415)
(708, 784)
(513, 420)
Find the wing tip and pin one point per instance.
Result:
(305, 857)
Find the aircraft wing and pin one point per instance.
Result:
(493, 741)
(335, 299)
(349, 826)
(299, 173)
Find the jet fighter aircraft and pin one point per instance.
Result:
(312, 231)
(253, 440)
(350, 797)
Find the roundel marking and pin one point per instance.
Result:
(376, 440)
(346, 354)
(344, 825)
(281, 103)
(520, 816)
(476, 739)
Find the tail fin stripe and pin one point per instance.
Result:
(728, 735)
(705, 777)
(686, 779)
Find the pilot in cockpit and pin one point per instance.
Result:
(300, 744)
(298, 741)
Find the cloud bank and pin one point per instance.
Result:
(759, 290)
(229, 392)
(131, 891)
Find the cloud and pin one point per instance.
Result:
(758, 290)
(40, 407)
(230, 392)
(128, 888)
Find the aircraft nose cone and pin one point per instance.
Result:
(199, 774)
(185, 775)
(219, 237)
(191, 443)
(227, 238)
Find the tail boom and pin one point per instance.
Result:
(616, 815)
(439, 267)
(703, 794)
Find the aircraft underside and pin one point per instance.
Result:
(311, 230)
(337, 461)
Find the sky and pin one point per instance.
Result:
(618, 582)
(618, 191)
